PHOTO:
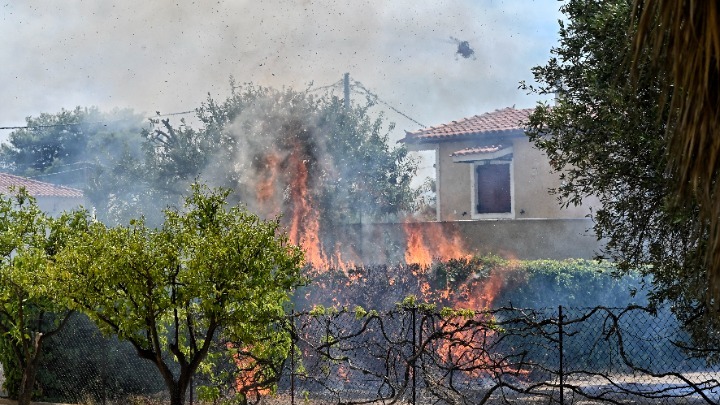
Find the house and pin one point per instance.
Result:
(51, 198)
(493, 190)
(486, 168)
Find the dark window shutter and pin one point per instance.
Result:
(493, 188)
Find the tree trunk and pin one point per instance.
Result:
(177, 392)
(176, 388)
(27, 384)
(176, 397)
(29, 371)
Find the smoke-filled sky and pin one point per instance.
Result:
(167, 55)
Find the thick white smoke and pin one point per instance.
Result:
(165, 56)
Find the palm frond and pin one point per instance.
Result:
(684, 37)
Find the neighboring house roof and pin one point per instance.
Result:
(506, 121)
(37, 188)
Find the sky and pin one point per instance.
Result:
(168, 55)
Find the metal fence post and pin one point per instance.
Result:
(414, 362)
(292, 357)
(419, 345)
(103, 375)
(560, 348)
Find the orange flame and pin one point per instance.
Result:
(304, 225)
(423, 242)
(416, 251)
(265, 187)
(422, 239)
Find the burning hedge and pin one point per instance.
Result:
(474, 282)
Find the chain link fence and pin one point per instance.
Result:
(81, 366)
(416, 354)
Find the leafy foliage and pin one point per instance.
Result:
(125, 168)
(29, 310)
(352, 171)
(473, 283)
(607, 138)
(209, 273)
(72, 147)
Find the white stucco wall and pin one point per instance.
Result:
(532, 178)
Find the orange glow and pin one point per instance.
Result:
(303, 220)
(430, 241)
(304, 229)
(285, 185)
(343, 373)
(416, 251)
(480, 295)
(247, 380)
(450, 246)
(265, 187)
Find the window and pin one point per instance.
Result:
(492, 183)
(492, 188)
(492, 180)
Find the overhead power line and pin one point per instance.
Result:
(376, 98)
(55, 173)
(44, 126)
(355, 84)
(105, 123)
(314, 89)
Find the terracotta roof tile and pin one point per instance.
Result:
(481, 149)
(506, 120)
(37, 188)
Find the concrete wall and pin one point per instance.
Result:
(453, 183)
(532, 174)
(527, 239)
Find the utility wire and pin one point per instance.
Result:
(379, 100)
(84, 162)
(49, 125)
(355, 84)
(54, 173)
(175, 113)
(104, 123)
(313, 89)
(374, 96)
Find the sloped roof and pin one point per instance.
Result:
(37, 188)
(509, 121)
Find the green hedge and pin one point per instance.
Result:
(520, 283)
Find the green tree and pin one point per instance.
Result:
(209, 273)
(353, 173)
(607, 138)
(73, 146)
(29, 309)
